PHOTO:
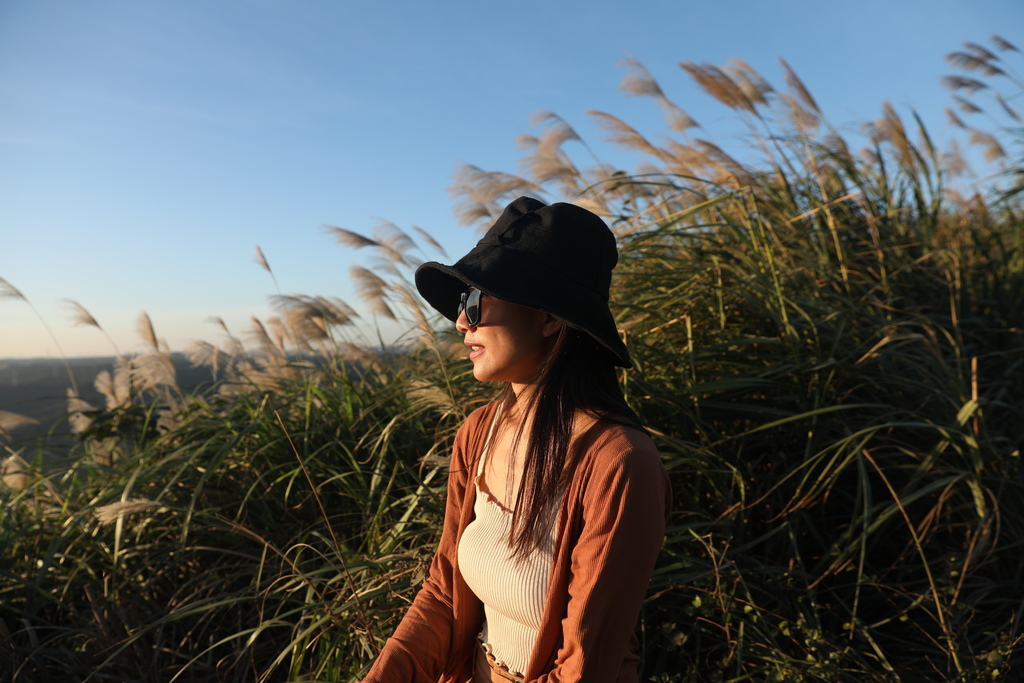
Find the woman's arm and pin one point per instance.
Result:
(626, 500)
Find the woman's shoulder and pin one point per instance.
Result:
(615, 443)
(622, 458)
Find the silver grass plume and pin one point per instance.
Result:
(966, 106)
(80, 316)
(481, 195)
(993, 150)
(9, 291)
(804, 118)
(546, 161)
(108, 514)
(794, 83)
(429, 239)
(279, 333)
(15, 471)
(261, 260)
(954, 119)
(981, 52)
(621, 133)
(349, 238)
(10, 421)
(259, 334)
(974, 62)
(954, 161)
(393, 243)
(116, 388)
(638, 82)
(1010, 111)
(753, 85)
(77, 408)
(720, 85)
(373, 290)
(955, 83)
(1003, 44)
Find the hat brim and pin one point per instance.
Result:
(442, 287)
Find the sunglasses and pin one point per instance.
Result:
(470, 303)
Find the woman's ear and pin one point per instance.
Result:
(552, 325)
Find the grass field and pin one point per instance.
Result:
(828, 344)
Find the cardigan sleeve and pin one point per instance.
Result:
(626, 501)
(419, 649)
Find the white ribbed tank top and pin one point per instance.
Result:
(513, 593)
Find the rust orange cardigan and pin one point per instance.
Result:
(611, 526)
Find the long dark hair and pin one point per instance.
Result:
(576, 375)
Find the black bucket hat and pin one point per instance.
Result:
(556, 258)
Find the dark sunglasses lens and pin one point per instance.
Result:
(470, 303)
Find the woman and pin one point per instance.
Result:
(557, 498)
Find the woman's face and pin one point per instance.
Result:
(509, 343)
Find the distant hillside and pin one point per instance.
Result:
(37, 388)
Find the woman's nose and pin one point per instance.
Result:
(460, 323)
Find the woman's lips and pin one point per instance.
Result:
(474, 350)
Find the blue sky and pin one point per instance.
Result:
(147, 147)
